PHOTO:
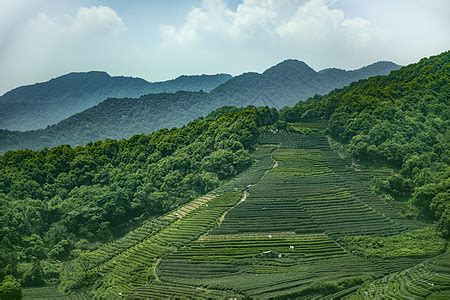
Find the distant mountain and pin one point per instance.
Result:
(42, 104)
(281, 85)
(115, 119)
(290, 81)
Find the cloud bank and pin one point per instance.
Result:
(311, 24)
(67, 43)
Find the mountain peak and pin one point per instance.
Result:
(88, 74)
(379, 67)
(290, 66)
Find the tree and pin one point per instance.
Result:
(10, 289)
(34, 276)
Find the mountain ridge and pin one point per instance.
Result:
(41, 104)
(290, 81)
(278, 86)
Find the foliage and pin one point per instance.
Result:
(401, 119)
(10, 289)
(417, 243)
(56, 198)
(329, 287)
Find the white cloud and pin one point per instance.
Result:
(215, 19)
(95, 20)
(282, 20)
(316, 23)
(48, 45)
(39, 40)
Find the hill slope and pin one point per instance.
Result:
(283, 84)
(111, 186)
(264, 242)
(36, 106)
(115, 118)
(402, 120)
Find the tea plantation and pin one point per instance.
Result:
(282, 229)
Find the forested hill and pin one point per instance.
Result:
(290, 81)
(114, 118)
(38, 105)
(403, 120)
(280, 85)
(58, 200)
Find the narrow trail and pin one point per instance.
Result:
(222, 217)
(274, 160)
(246, 192)
(155, 269)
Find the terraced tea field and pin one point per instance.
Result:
(430, 279)
(274, 231)
(51, 292)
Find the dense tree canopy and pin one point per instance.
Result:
(401, 119)
(63, 198)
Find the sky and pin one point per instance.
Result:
(160, 40)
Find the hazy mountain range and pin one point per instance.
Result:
(42, 104)
(290, 81)
(283, 84)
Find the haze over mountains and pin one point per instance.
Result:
(283, 84)
(290, 81)
(42, 104)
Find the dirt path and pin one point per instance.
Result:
(222, 217)
(246, 193)
(155, 269)
(271, 156)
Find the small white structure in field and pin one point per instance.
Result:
(291, 248)
(270, 236)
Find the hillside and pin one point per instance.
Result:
(121, 118)
(42, 104)
(401, 120)
(112, 186)
(263, 242)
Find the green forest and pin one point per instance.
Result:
(63, 204)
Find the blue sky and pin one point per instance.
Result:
(159, 40)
